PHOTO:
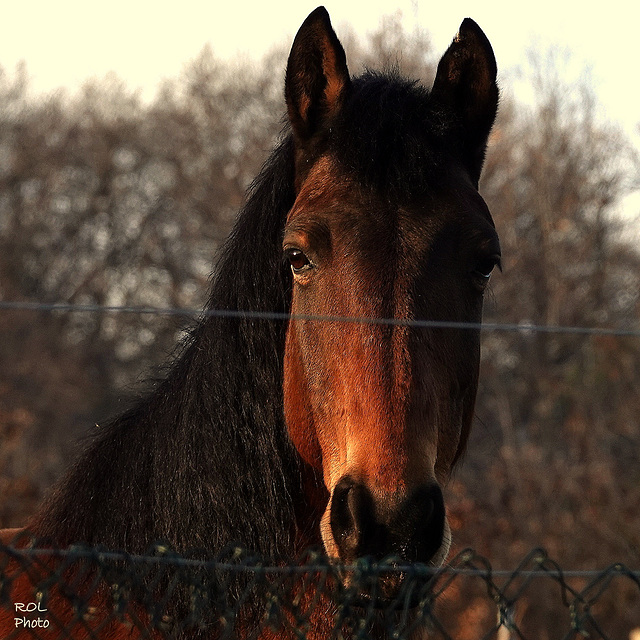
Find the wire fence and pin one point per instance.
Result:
(91, 593)
(520, 327)
(88, 592)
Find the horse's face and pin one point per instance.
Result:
(383, 409)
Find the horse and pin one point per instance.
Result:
(319, 423)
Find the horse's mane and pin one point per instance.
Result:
(204, 459)
(393, 137)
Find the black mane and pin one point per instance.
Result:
(393, 137)
(203, 460)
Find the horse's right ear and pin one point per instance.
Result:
(317, 76)
(466, 85)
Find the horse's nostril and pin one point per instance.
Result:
(420, 523)
(352, 519)
(341, 519)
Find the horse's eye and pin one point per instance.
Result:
(298, 261)
(483, 267)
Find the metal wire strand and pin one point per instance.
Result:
(521, 327)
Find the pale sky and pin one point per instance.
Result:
(65, 42)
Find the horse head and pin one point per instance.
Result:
(387, 224)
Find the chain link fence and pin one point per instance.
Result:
(84, 592)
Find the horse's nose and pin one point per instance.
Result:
(412, 531)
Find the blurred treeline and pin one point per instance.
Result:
(109, 200)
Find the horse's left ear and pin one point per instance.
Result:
(466, 84)
(317, 76)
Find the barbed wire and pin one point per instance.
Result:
(520, 327)
(147, 592)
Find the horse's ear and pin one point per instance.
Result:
(466, 84)
(317, 76)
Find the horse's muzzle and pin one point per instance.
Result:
(412, 532)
